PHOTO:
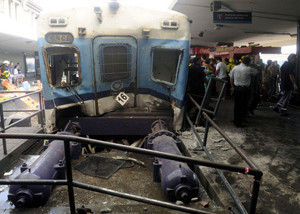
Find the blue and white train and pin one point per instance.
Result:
(113, 68)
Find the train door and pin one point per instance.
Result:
(115, 73)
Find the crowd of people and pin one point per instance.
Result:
(249, 81)
(9, 72)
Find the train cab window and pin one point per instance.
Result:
(115, 61)
(62, 66)
(165, 63)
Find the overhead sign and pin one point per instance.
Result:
(59, 38)
(233, 17)
(202, 50)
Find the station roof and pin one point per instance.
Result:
(274, 22)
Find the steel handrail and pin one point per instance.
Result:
(257, 178)
(70, 183)
(223, 178)
(228, 167)
(36, 112)
(25, 95)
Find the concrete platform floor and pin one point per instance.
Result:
(272, 142)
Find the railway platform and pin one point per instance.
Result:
(271, 141)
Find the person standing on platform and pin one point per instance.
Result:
(240, 80)
(195, 86)
(11, 71)
(288, 84)
(5, 75)
(221, 70)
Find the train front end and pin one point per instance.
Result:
(113, 68)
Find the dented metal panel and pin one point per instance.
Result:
(145, 82)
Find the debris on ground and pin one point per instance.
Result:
(204, 203)
(8, 173)
(106, 210)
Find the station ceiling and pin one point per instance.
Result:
(16, 44)
(274, 22)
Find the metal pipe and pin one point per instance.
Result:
(206, 133)
(16, 92)
(255, 191)
(138, 198)
(15, 98)
(32, 182)
(194, 101)
(199, 141)
(208, 111)
(40, 116)
(69, 176)
(234, 146)
(134, 149)
(208, 88)
(21, 120)
(3, 130)
(20, 110)
(220, 96)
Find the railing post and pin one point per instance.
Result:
(69, 176)
(41, 115)
(220, 97)
(255, 191)
(206, 132)
(2, 127)
(208, 88)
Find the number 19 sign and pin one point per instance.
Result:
(122, 98)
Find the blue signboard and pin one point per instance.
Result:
(233, 17)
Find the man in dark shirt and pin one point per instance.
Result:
(195, 86)
(197, 78)
(288, 84)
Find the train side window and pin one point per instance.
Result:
(63, 66)
(165, 64)
(115, 61)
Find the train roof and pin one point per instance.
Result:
(115, 19)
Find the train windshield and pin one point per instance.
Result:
(115, 61)
(165, 64)
(62, 66)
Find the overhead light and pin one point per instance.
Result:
(271, 33)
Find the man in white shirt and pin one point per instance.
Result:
(240, 80)
(221, 69)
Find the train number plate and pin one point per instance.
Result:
(122, 98)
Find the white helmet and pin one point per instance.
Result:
(5, 62)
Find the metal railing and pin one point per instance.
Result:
(201, 145)
(71, 183)
(39, 112)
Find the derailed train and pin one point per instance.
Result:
(113, 68)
